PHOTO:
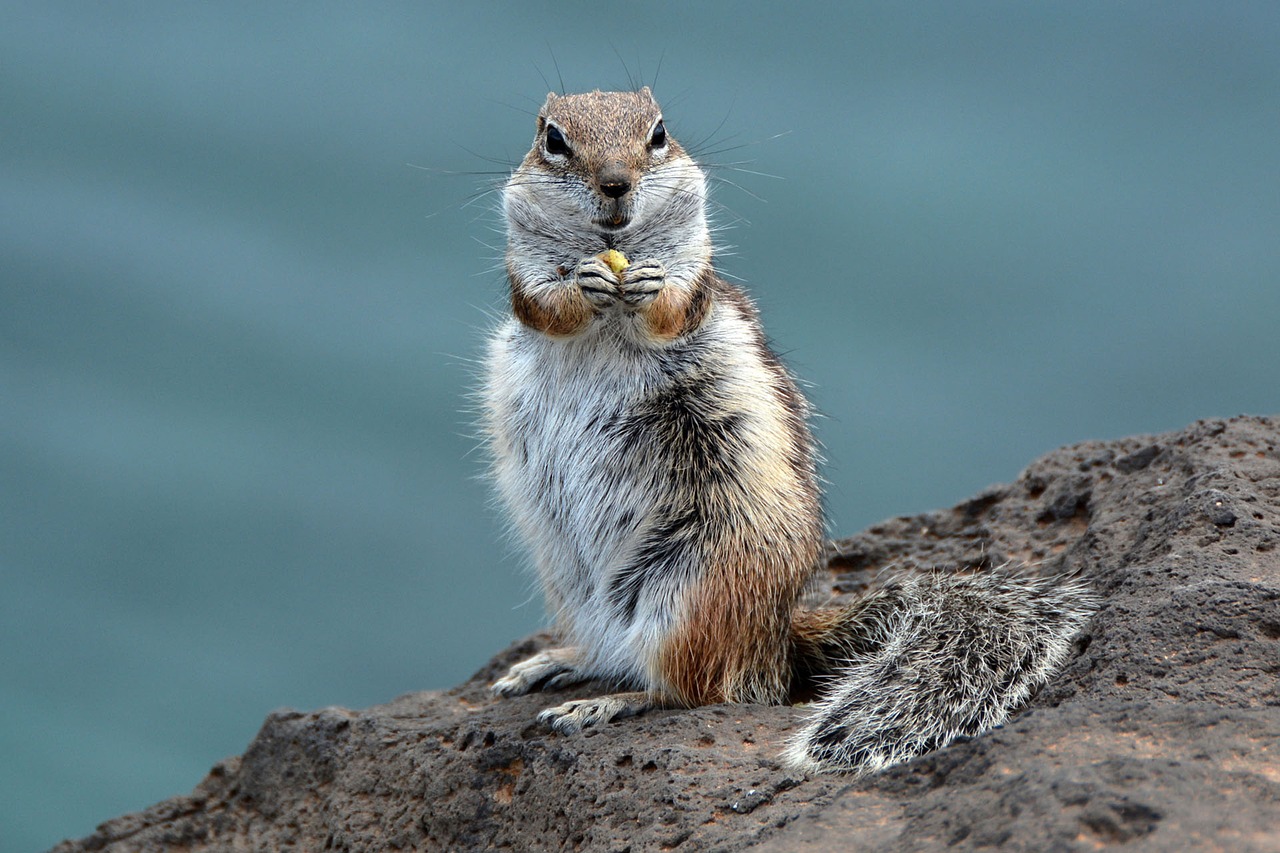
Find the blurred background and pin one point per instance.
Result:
(248, 258)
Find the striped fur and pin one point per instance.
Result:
(653, 452)
(932, 658)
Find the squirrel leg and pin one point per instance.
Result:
(666, 310)
(546, 670)
(561, 306)
(573, 717)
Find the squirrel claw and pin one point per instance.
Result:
(572, 717)
(549, 669)
(598, 282)
(642, 281)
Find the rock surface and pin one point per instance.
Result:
(1163, 733)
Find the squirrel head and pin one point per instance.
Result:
(608, 153)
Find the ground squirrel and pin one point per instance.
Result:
(655, 455)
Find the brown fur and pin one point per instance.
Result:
(564, 311)
(604, 126)
(733, 645)
(675, 313)
(733, 642)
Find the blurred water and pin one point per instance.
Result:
(237, 327)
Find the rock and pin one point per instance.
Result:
(1163, 730)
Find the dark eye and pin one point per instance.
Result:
(659, 136)
(555, 141)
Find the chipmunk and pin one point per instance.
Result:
(655, 455)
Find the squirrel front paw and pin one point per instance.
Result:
(598, 282)
(642, 282)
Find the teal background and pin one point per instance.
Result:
(248, 258)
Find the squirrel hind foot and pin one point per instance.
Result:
(547, 670)
(960, 654)
(573, 717)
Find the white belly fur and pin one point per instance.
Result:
(581, 498)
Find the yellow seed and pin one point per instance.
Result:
(615, 259)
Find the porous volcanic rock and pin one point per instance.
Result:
(1163, 732)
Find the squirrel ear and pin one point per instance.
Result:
(551, 96)
(644, 90)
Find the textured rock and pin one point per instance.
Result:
(1163, 733)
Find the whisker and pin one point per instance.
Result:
(726, 149)
(694, 148)
(496, 160)
(556, 63)
(734, 168)
(740, 187)
(545, 82)
(521, 110)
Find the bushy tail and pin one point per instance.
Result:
(927, 659)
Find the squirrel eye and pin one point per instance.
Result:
(556, 143)
(659, 136)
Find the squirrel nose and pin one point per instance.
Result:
(615, 187)
(614, 180)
